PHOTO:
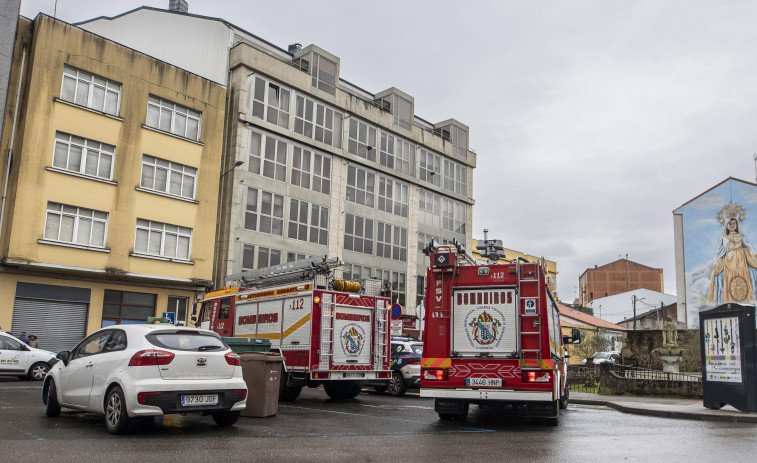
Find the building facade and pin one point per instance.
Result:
(617, 277)
(327, 168)
(511, 254)
(112, 195)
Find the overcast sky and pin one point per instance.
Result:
(592, 120)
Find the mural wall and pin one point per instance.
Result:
(719, 259)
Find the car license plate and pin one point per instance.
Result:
(354, 374)
(199, 399)
(483, 382)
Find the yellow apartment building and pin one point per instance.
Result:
(110, 163)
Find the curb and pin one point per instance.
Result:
(704, 415)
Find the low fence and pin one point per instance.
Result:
(614, 379)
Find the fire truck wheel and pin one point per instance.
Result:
(564, 399)
(228, 418)
(396, 385)
(340, 390)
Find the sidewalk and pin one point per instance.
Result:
(688, 409)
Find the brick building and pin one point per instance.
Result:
(618, 277)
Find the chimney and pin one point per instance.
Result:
(294, 48)
(179, 6)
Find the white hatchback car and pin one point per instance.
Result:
(19, 359)
(133, 371)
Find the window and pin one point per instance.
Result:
(121, 307)
(295, 256)
(318, 121)
(393, 196)
(358, 234)
(268, 156)
(270, 102)
(395, 280)
(405, 157)
(324, 74)
(391, 242)
(430, 167)
(264, 212)
(173, 118)
(268, 257)
(420, 290)
(362, 140)
(168, 177)
(355, 272)
(90, 90)
(308, 222)
(178, 306)
(403, 112)
(453, 215)
(360, 186)
(386, 155)
(78, 225)
(83, 156)
(163, 240)
(311, 170)
(248, 257)
(424, 240)
(455, 177)
(430, 208)
(458, 136)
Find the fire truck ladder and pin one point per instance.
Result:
(529, 358)
(327, 331)
(379, 343)
(304, 269)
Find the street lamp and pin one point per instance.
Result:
(236, 164)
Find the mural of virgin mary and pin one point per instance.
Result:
(734, 268)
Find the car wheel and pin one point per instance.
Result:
(52, 407)
(224, 419)
(38, 371)
(396, 385)
(116, 416)
(564, 398)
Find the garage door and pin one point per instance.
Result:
(58, 325)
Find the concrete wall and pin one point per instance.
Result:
(639, 346)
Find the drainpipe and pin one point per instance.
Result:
(13, 136)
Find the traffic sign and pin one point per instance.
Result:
(396, 311)
(169, 315)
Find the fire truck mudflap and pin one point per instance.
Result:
(492, 335)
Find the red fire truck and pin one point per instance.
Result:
(492, 335)
(330, 331)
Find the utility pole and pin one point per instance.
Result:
(634, 312)
(627, 283)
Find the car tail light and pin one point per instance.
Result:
(142, 396)
(436, 375)
(537, 376)
(413, 361)
(151, 357)
(243, 391)
(320, 376)
(233, 359)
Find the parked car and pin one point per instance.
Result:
(129, 372)
(405, 365)
(19, 359)
(602, 357)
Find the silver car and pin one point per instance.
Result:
(126, 372)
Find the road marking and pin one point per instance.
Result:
(27, 433)
(461, 429)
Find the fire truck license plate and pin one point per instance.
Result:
(354, 375)
(483, 382)
(199, 399)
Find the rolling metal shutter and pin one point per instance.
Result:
(58, 325)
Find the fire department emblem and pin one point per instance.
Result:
(484, 326)
(353, 339)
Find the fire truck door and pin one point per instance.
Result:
(224, 321)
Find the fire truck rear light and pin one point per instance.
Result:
(142, 396)
(233, 359)
(436, 375)
(537, 376)
(320, 376)
(384, 375)
(151, 357)
(316, 300)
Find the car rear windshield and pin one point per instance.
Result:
(186, 341)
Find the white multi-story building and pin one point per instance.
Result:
(327, 167)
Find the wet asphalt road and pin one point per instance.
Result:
(373, 427)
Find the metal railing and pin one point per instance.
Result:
(585, 378)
